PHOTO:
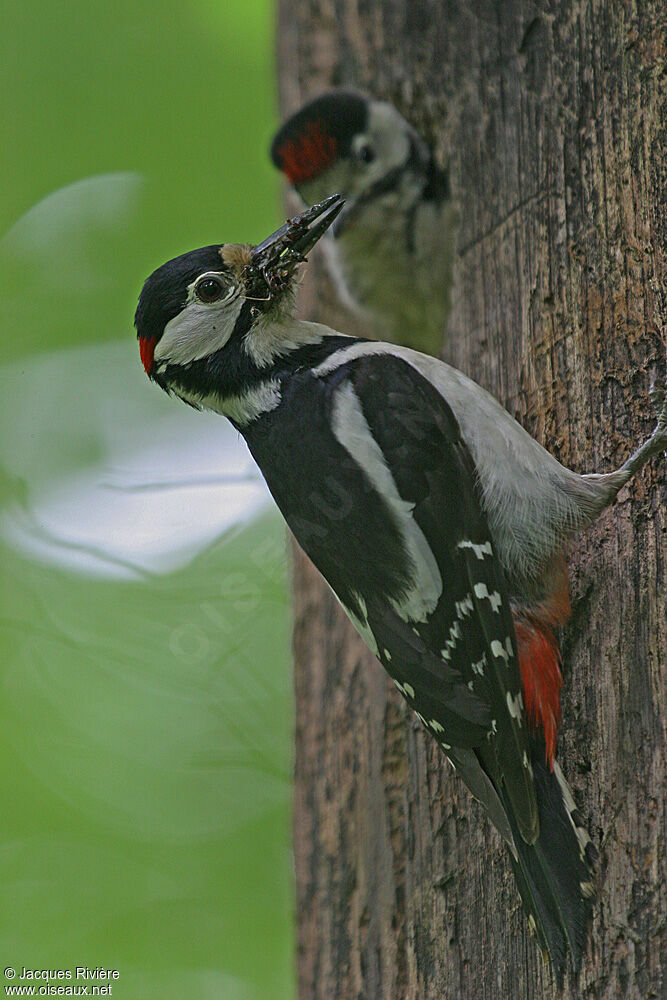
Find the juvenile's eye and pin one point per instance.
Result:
(209, 288)
(365, 153)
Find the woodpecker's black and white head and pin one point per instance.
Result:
(208, 322)
(393, 242)
(344, 141)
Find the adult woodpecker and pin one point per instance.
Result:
(436, 519)
(391, 253)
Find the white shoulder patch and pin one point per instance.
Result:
(351, 429)
(515, 472)
(345, 354)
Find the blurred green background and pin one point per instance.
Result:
(145, 688)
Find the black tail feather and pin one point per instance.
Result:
(554, 875)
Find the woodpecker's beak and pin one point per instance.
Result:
(276, 257)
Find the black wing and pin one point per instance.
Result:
(466, 641)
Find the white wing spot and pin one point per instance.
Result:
(494, 599)
(499, 651)
(454, 634)
(515, 705)
(406, 689)
(387, 656)
(478, 667)
(571, 807)
(436, 727)
(587, 889)
(362, 626)
(464, 607)
(526, 763)
(485, 549)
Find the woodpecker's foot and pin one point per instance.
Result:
(656, 444)
(658, 396)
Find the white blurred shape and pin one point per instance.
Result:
(61, 238)
(116, 479)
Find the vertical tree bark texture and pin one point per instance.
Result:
(552, 119)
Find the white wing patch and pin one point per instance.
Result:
(351, 430)
(345, 354)
(515, 472)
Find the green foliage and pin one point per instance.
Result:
(180, 94)
(145, 722)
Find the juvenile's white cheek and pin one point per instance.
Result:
(196, 332)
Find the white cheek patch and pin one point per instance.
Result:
(197, 331)
(388, 134)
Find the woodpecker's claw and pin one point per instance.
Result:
(658, 396)
(275, 258)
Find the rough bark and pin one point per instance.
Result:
(552, 121)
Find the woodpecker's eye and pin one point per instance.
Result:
(365, 153)
(210, 288)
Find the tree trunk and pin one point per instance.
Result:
(551, 118)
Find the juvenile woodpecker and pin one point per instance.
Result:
(438, 522)
(391, 253)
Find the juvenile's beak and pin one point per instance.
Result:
(276, 257)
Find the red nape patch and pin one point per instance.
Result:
(308, 154)
(147, 350)
(541, 679)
